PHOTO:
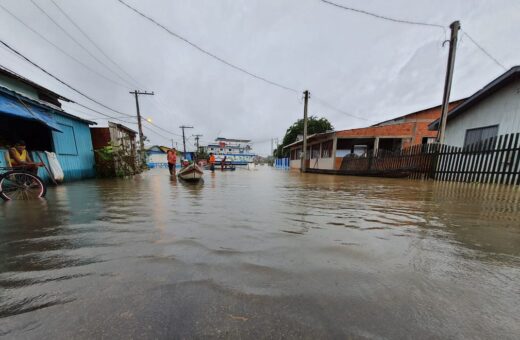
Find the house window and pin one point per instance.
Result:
(65, 142)
(326, 149)
(480, 134)
(429, 140)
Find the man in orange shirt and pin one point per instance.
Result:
(171, 155)
(212, 162)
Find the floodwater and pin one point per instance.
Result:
(262, 254)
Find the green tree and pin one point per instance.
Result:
(314, 125)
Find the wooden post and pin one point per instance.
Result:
(304, 158)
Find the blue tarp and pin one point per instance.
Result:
(12, 106)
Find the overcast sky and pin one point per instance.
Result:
(364, 66)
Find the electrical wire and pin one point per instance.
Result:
(78, 43)
(323, 102)
(61, 81)
(73, 22)
(481, 48)
(194, 45)
(61, 50)
(93, 42)
(383, 17)
(155, 132)
(112, 118)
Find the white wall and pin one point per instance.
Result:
(502, 108)
(323, 163)
(295, 163)
(157, 158)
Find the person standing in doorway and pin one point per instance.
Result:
(171, 155)
(211, 162)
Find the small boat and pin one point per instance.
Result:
(191, 173)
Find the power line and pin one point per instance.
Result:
(61, 50)
(238, 68)
(61, 81)
(339, 110)
(112, 118)
(100, 50)
(480, 47)
(77, 42)
(383, 17)
(73, 22)
(157, 133)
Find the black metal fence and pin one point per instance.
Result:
(496, 160)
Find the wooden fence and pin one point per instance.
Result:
(496, 160)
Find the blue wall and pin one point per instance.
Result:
(74, 148)
(282, 163)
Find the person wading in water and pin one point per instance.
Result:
(171, 155)
(211, 162)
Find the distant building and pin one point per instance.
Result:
(33, 113)
(156, 156)
(327, 150)
(236, 151)
(116, 150)
(492, 111)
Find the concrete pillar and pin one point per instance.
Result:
(334, 149)
(376, 145)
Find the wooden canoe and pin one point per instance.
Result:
(191, 173)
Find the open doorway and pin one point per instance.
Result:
(36, 135)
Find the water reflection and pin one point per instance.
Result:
(279, 251)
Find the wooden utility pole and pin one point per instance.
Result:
(197, 137)
(303, 167)
(184, 139)
(441, 134)
(139, 124)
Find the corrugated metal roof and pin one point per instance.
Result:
(44, 105)
(497, 84)
(14, 75)
(416, 112)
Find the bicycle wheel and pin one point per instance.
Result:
(19, 185)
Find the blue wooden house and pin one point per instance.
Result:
(33, 113)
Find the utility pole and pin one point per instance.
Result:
(139, 125)
(172, 143)
(441, 134)
(303, 167)
(184, 138)
(197, 137)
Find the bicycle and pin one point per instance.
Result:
(20, 184)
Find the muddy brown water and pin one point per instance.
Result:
(262, 254)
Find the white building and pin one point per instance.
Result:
(236, 151)
(492, 111)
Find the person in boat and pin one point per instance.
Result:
(19, 158)
(211, 162)
(171, 155)
(223, 163)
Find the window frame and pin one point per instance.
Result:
(465, 144)
(74, 139)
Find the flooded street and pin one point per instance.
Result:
(262, 254)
